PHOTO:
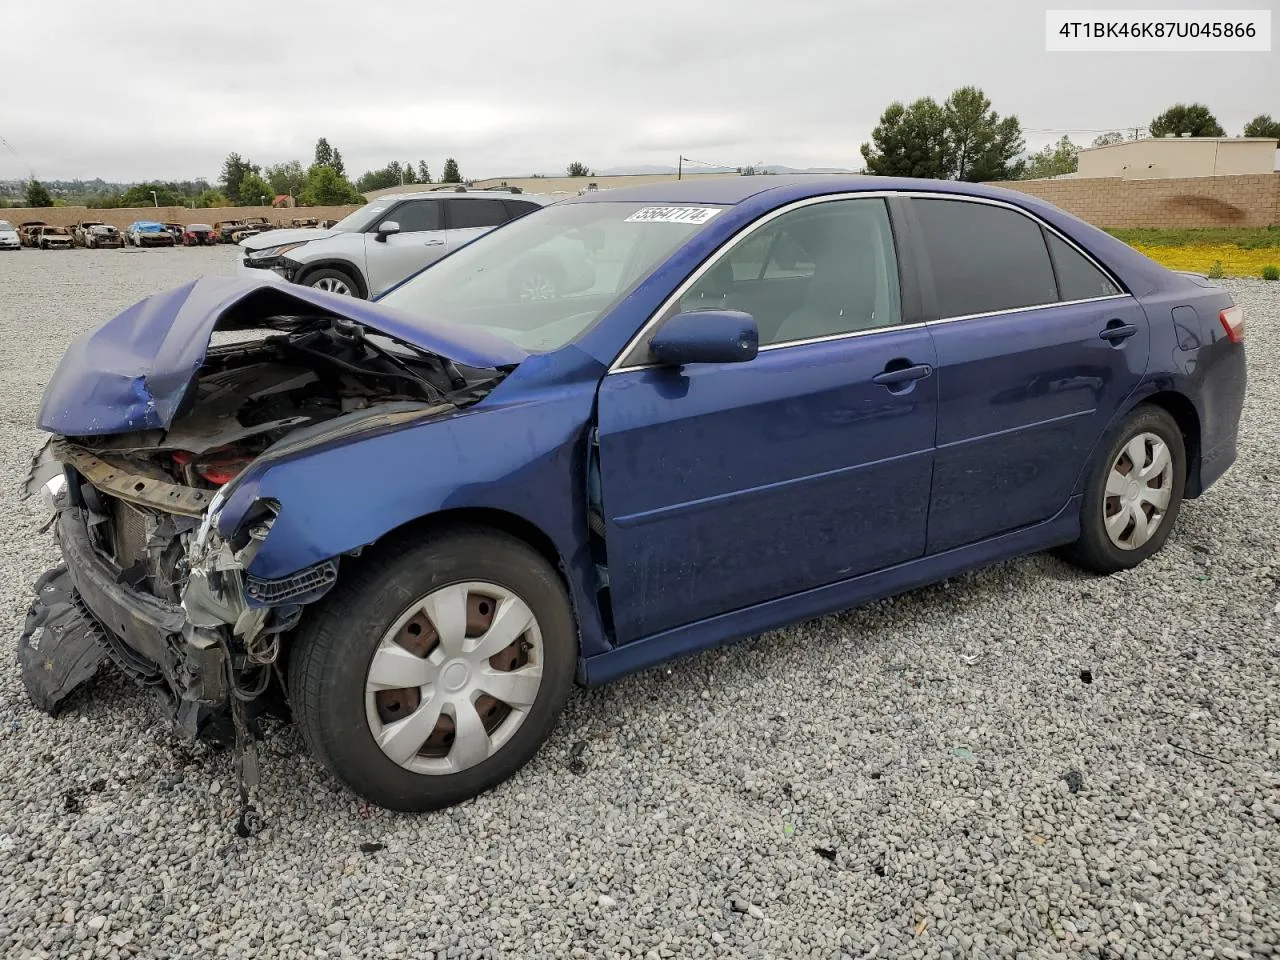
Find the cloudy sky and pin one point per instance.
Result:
(140, 89)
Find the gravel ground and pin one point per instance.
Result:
(1022, 762)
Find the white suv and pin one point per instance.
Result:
(368, 252)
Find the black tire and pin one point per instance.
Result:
(315, 278)
(1094, 550)
(330, 656)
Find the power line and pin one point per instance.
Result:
(8, 146)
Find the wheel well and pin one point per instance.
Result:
(1184, 414)
(349, 269)
(508, 523)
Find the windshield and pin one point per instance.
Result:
(359, 220)
(541, 280)
(5, 225)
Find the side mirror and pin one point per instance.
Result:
(385, 229)
(706, 336)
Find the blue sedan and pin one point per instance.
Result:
(420, 520)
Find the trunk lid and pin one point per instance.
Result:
(133, 372)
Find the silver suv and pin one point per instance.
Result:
(371, 250)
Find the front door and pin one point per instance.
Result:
(420, 242)
(725, 485)
(1037, 350)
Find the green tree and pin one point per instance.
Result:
(37, 195)
(338, 165)
(288, 178)
(577, 169)
(1187, 119)
(1107, 139)
(982, 145)
(233, 170)
(451, 174)
(212, 198)
(1054, 160)
(424, 172)
(326, 187)
(324, 153)
(909, 142)
(253, 188)
(1262, 126)
(409, 175)
(139, 195)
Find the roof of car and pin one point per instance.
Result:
(732, 190)
(486, 194)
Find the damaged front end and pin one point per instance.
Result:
(150, 577)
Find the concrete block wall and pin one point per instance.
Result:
(1248, 200)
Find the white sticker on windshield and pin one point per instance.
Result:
(693, 215)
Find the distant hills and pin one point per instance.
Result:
(693, 168)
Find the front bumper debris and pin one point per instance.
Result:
(61, 646)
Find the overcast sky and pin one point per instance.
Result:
(141, 89)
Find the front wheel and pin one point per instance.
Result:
(332, 281)
(1133, 495)
(434, 672)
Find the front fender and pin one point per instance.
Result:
(526, 457)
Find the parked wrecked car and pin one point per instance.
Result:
(226, 229)
(426, 516)
(148, 233)
(199, 235)
(176, 230)
(27, 231)
(9, 239)
(95, 235)
(53, 238)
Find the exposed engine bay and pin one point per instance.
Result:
(135, 511)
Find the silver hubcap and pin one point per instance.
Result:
(333, 285)
(537, 286)
(1139, 486)
(454, 678)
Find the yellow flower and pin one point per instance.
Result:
(1200, 258)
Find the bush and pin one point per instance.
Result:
(1215, 272)
(1271, 272)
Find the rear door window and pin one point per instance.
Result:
(473, 212)
(984, 258)
(1078, 279)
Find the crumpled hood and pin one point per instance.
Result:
(133, 371)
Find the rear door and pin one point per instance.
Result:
(420, 242)
(469, 217)
(1037, 349)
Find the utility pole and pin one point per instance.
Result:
(680, 168)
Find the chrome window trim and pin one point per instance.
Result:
(927, 195)
(618, 367)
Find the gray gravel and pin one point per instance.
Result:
(927, 777)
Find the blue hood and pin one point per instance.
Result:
(133, 371)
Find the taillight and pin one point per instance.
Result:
(1233, 322)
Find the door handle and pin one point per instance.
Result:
(432, 243)
(1117, 331)
(900, 375)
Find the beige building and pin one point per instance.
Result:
(1159, 158)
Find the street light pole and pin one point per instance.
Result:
(154, 200)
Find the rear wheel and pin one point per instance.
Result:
(332, 280)
(434, 673)
(1133, 495)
